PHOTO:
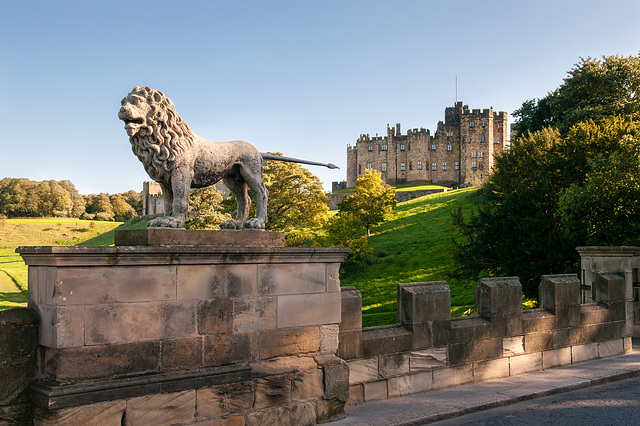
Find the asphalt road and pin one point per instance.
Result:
(616, 403)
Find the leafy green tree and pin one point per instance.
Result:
(204, 209)
(347, 230)
(134, 199)
(121, 209)
(593, 90)
(372, 200)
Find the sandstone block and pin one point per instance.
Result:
(333, 277)
(492, 369)
(272, 391)
(628, 344)
(291, 278)
(223, 400)
(581, 353)
(208, 281)
(104, 413)
(526, 363)
(329, 338)
(303, 414)
(557, 291)
(534, 321)
(512, 346)
(428, 358)
(121, 323)
(254, 314)
(556, 358)
(351, 310)
(611, 348)
(350, 345)
(374, 391)
(393, 365)
(112, 284)
(356, 394)
(224, 349)
(15, 380)
(592, 314)
(479, 350)
(537, 342)
(308, 309)
(423, 302)
(307, 385)
(289, 341)
(498, 296)
(609, 287)
(197, 237)
(329, 410)
(215, 315)
(363, 370)
(411, 383)
(336, 377)
(452, 376)
(386, 339)
(182, 354)
(166, 408)
(276, 366)
(62, 326)
(19, 331)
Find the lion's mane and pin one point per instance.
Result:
(165, 135)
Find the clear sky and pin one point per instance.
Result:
(302, 77)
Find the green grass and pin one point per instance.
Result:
(399, 188)
(413, 246)
(46, 232)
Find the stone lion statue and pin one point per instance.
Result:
(179, 160)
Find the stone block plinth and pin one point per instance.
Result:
(499, 300)
(134, 321)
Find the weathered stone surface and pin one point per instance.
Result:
(104, 413)
(333, 277)
(556, 357)
(386, 339)
(526, 363)
(330, 410)
(224, 349)
(492, 369)
(62, 326)
(453, 376)
(558, 291)
(411, 383)
(197, 237)
(350, 345)
(581, 353)
(182, 354)
(289, 341)
(215, 315)
(303, 414)
(537, 342)
(166, 408)
(479, 350)
(300, 310)
(283, 278)
(89, 362)
(329, 338)
(428, 358)
(307, 385)
(363, 370)
(16, 414)
(611, 348)
(272, 391)
(284, 365)
(609, 287)
(464, 330)
(15, 380)
(356, 394)
(208, 281)
(498, 296)
(592, 314)
(223, 400)
(351, 310)
(423, 302)
(375, 390)
(121, 323)
(393, 365)
(18, 328)
(254, 314)
(336, 377)
(512, 346)
(536, 320)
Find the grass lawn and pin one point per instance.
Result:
(399, 188)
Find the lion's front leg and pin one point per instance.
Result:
(176, 203)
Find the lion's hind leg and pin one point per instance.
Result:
(238, 186)
(255, 181)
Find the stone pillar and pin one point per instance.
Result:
(127, 331)
(499, 300)
(425, 309)
(594, 260)
(560, 295)
(350, 338)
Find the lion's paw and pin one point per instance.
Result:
(254, 223)
(165, 222)
(230, 224)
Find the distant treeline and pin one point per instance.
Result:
(50, 198)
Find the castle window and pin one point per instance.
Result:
(402, 167)
(472, 124)
(455, 179)
(410, 165)
(496, 140)
(469, 139)
(474, 164)
(498, 125)
(370, 148)
(457, 165)
(481, 138)
(419, 165)
(402, 147)
(473, 154)
(449, 134)
(383, 147)
(481, 154)
(433, 147)
(444, 166)
(482, 123)
(368, 166)
(449, 147)
(434, 166)
(384, 167)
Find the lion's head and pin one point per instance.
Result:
(156, 131)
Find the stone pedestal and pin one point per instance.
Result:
(248, 330)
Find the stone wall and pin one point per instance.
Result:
(18, 342)
(401, 196)
(429, 350)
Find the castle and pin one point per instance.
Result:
(460, 153)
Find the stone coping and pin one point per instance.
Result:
(613, 251)
(197, 237)
(178, 255)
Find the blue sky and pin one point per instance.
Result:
(302, 77)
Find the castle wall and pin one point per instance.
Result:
(461, 152)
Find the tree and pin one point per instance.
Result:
(121, 209)
(296, 197)
(204, 209)
(594, 89)
(372, 200)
